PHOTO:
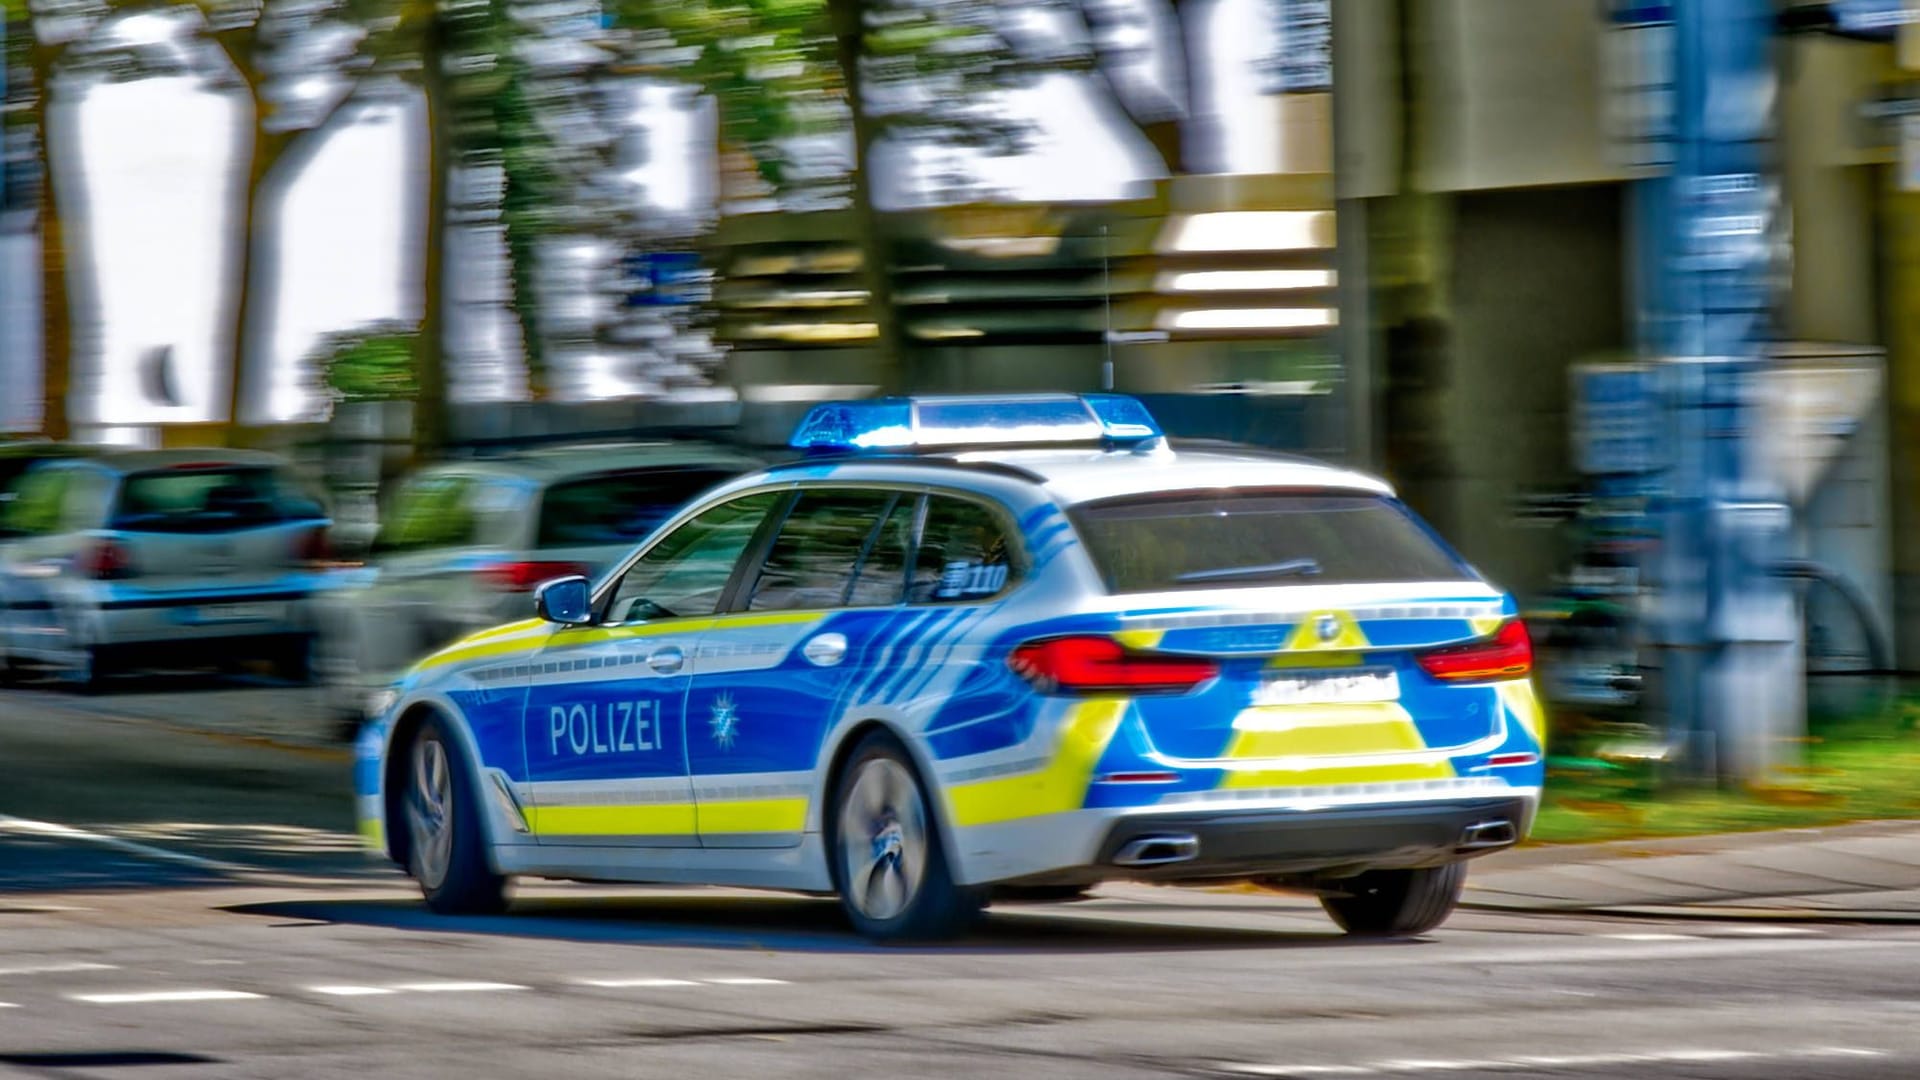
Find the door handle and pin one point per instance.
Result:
(666, 661)
(826, 650)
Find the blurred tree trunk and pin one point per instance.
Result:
(56, 307)
(876, 256)
(430, 405)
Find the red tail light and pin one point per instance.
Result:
(314, 547)
(1092, 665)
(1508, 654)
(523, 576)
(107, 561)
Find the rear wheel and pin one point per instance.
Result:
(293, 660)
(1397, 903)
(889, 864)
(446, 847)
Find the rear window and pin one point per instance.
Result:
(618, 508)
(1252, 538)
(208, 500)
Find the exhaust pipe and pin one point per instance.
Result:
(1488, 834)
(1158, 850)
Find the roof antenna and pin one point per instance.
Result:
(1106, 291)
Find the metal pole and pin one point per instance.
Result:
(1727, 621)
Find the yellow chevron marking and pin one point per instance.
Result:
(1518, 696)
(1059, 786)
(1139, 639)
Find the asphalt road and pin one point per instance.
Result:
(123, 953)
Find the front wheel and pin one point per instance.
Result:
(1397, 903)
(889, 864)
(446, 847)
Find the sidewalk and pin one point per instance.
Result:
(1867, 872)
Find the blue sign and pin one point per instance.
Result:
(666, 278)
(1616, 427)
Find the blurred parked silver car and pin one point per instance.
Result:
(135, 559)
(462, 545)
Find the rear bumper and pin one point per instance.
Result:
(1233, 843)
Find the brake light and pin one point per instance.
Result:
(523, 576)
(1091, 665)
(1508, 654)
(314, 547)
(107, 561)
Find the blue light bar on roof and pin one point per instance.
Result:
(907, 423)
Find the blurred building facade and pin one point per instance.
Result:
(1498, 152)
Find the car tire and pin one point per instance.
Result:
(293, 661)
(889, 864)
(88, 675)
(1397, 903)
(446, 844)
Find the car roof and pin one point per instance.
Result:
(1072, 476)
(546, 464)
(130, 461)
(1087, 476)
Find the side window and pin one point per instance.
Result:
(430, 512)
(881, 579)
(964, 553)
(36, 503)
(812, 562)
(685, 573)
(88, 497)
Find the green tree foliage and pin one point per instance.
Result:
(374, 363)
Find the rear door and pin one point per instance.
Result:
(772, 675)
(1318, 606)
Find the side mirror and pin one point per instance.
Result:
(567, 601)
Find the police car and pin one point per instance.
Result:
(963, 645)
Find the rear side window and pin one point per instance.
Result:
(964, 553)
(1252, 538)
(430, 512)
(33, 506)
(618, 508)
(207, 500)
(813, 559)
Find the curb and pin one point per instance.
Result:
(1704, 913)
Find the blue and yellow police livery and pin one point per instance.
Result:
(967, 644)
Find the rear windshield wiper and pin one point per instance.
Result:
(1290, 568)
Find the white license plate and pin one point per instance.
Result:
(239, 612)
(1356, 685)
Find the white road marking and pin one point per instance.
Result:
(8, 1005)
(1764, 930)
(1658, 950)
(623, 984)
(1302, 1069)
(157, 996)
(748, 982)
(1550, 1061)
(1651, 937)
(351, 991)
(455, 987)
(56, 969)
(9, 823)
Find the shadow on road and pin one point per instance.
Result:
(795, 924)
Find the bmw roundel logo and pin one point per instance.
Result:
(1327, 627)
